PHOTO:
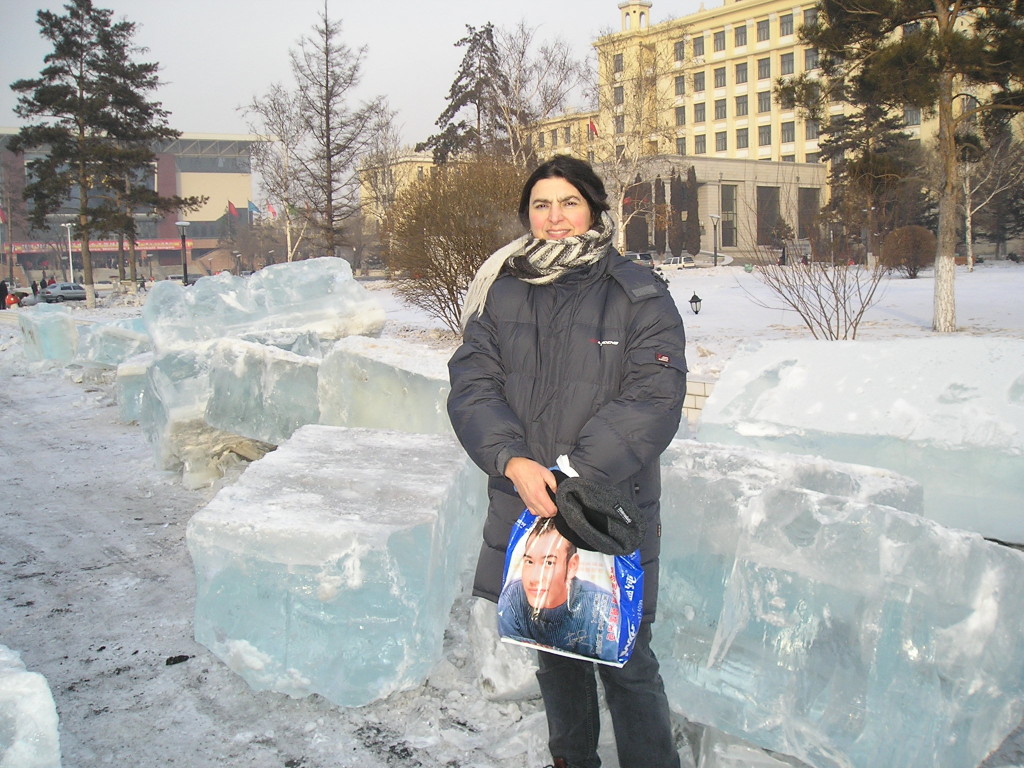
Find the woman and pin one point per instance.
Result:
(568, 348)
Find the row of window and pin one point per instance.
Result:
(762, 31)
(553, 134)
(787, 66)
(741, 109)
(764, 139)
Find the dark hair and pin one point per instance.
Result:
(576, 172)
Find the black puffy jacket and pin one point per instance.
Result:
(591, 366)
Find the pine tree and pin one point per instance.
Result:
(676, 222)
(692, 231)
(97, 127)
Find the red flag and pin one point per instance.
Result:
(231, 209)
(271, 210)
(3, 216)
(593, 128)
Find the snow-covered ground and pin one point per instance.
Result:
(98, 585)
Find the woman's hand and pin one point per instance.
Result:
(532, 481)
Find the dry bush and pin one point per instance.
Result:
(908, 249)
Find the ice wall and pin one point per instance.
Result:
(332, 564)
(48, 333)
(110, 344)
(948, 412)
(28, 717)
(384, 384)
(803, 610)
(260, 392)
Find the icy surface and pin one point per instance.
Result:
(261, 392)
(803, 610)
(110, 344)
(948, 412)
(384, 384)
(48, 333)
(318, 296)
(130, 386)
(28, 717)
(332, 564)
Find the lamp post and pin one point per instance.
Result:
(695, 303)
(71, 264)
(715, 218)
(183, 228)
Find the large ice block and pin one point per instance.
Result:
(110, 344)
(48, 333)
(948, 412)
(316, 295)
(803, 611)
(384, 384)
(264, 393)
(130, 386)
(332, 564)
(28, 717)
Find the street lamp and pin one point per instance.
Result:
(183, 228)
(715, 218)
(695, 303)
(71, 265)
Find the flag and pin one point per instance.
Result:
(231, 209)
(271, 210)
(253, 208)
(593, 128)
(3, 216)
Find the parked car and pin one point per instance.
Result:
(679, 262)
(63, 292)
(24, 296)
(641, 258)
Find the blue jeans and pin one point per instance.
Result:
(636, 700)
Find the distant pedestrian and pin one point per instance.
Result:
(3, 294)
(35, 288)
(52, 281)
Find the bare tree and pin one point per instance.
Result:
(985, 173)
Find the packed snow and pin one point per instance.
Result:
(102, 588)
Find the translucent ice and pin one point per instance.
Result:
(48, 333)
(802, 610)
(110, 344)
(332, 564)
(130, 386)
(948, 412)
(318, 296)
(264, 393)
(28, 717)
(384, 384)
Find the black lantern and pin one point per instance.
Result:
(695, 304)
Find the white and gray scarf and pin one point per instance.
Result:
(538, 261)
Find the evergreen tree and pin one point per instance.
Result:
(676, 221)
(926, 55)
(97, 127)
(479, 87)
(692, 230)
(661, 215)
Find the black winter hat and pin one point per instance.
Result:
(597, 517)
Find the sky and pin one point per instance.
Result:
(216, 55)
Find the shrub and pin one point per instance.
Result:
(908, 249)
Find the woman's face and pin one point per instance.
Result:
(558, 210)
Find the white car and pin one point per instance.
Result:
(679, 262)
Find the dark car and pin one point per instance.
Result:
(63, 292)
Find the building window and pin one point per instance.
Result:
(764, 69)
(911, 116)
(720, 77)
(680, 50)
(810, 58)
(721, 112)
(786, 64)
(620, 124)
(763, 31)
(700, 145)
(812, 157)
(567, 134)
(680, 115)
(680, 145)
(764, 102)
(721, 142)
(811, 129)
(699, 113)
(788, 158)
(788, 132)
(742, 138)
(540, 139)
(620, 151)
(680, 85)
(617, 62)
(764, 135)
(698, 46)
(741, 73)
(740, 35)
(786, 24)
(810, 17)
(554, 137)
(741, 106)
(728, 209)
(718, 41)
(698, 81)
(618, 95)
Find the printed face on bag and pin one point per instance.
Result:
(558, 210)
(550, 563)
